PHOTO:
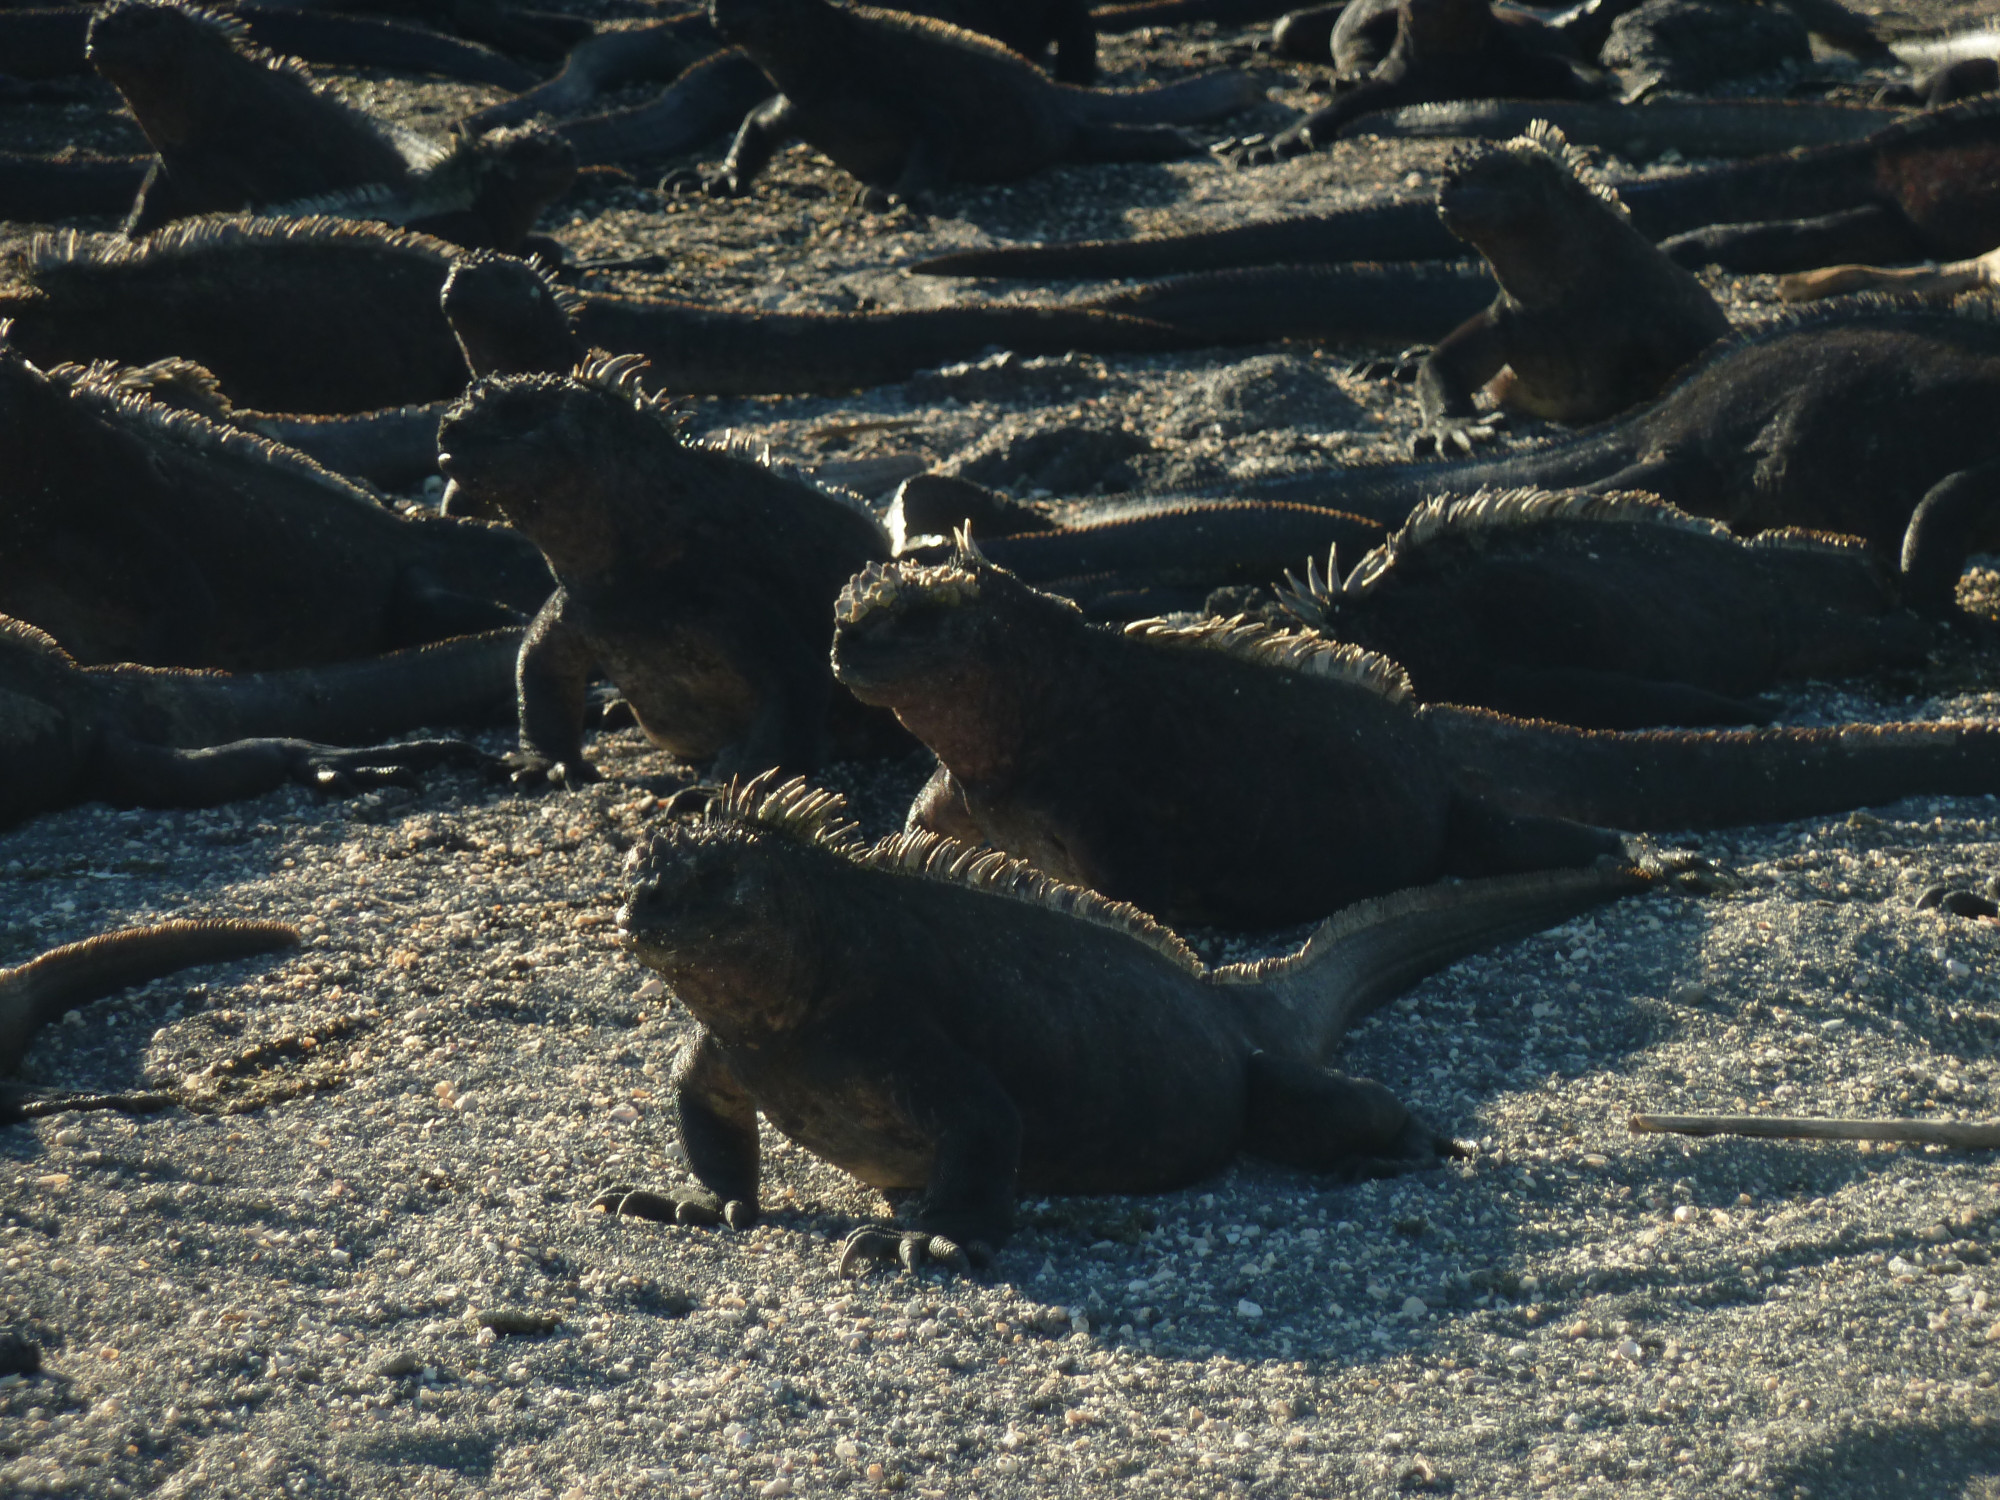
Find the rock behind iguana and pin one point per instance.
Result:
(698, 579)
(143, 533)
(1591, 317)
(1227, 772)
(906, 104)
(933, 1018)
(165, 737)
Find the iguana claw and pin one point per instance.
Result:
(527, 770)
(911, 1248)
(690, 1206)
(1455, 438)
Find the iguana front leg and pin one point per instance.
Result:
(1464, 360)
(766, 128)
(967, 1207)
(551, 678)
(718, 1129)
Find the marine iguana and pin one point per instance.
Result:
(1921, 188)
(704, 102)
(1606, 611)
(237, 127)
(164, 737)
(700, 581)
(37, 992)
(1444, 49)
(1094, 754)
(932, 1017)
(1591, 318)
(142, 533)
(1841, 418)
(906, 104)
(1709, 127)
(617, 53)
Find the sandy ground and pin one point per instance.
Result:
(332, 1278)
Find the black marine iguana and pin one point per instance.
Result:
(1922, 188)
(932, 1017)
(1444, 49)
(1590, 319)
(701, 581)
(239, 128)
(1605, 611)
(1841, 419)
(139, 532)
(906, 104)
(1096, 755)
(165, 737)
(36, 992)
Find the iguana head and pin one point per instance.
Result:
(909, 628)
(725, 906)
(151, 50)
(575, 461)
(1536, 183)
(508, 317)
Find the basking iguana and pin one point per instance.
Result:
(1856, 418)
(165, 737)
(935, 1018)
(698, 579)
(1922, 188)
(236, 127)
(1607, 611)
(907, 104)
(1591, 317)
(36, 992)
(142, 533)
(1444, 49)
(1226, 772)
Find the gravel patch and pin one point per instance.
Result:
(365, 1262)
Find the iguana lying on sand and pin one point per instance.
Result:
(699, 580)
(1840, 419)
(1922, 188)
(237, 128)
(1591, 318)
(37, 992)
(1607, 611)
(906, 104)
(1444, 49)
(1099, 756)
(932, 1018)
(164, 737)
(141, 533)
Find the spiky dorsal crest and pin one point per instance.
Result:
(176, 381)
(963, 578)
(1546, 138)
(811, 815)
(1805, 539)
(818, 818)
(1299, 651)
(190, 239)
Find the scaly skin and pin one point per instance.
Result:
(699, 580)
(968, 1031)
(1224, 772)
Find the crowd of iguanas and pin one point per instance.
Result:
(1434, 703)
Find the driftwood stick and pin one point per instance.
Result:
(1967, 1137)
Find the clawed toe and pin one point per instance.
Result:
(912, 1249)
(689, 1207)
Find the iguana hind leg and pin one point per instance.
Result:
(1309, 1117)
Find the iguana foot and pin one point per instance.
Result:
(1455, 437)
(1681, 868)
(880, 200)
(348, 772)
(1264, 151)
(692, 1206)
(685, 182)
(1402, 367)
(913, 1249)
(527, 770)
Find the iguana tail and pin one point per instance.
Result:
(1666, 779)
(75, 974)
(1188, 102)
(1364, 956)
(1411, 303)
(1407, 230)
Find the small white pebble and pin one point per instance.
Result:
(1248, 1309)
(1415, 1307)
